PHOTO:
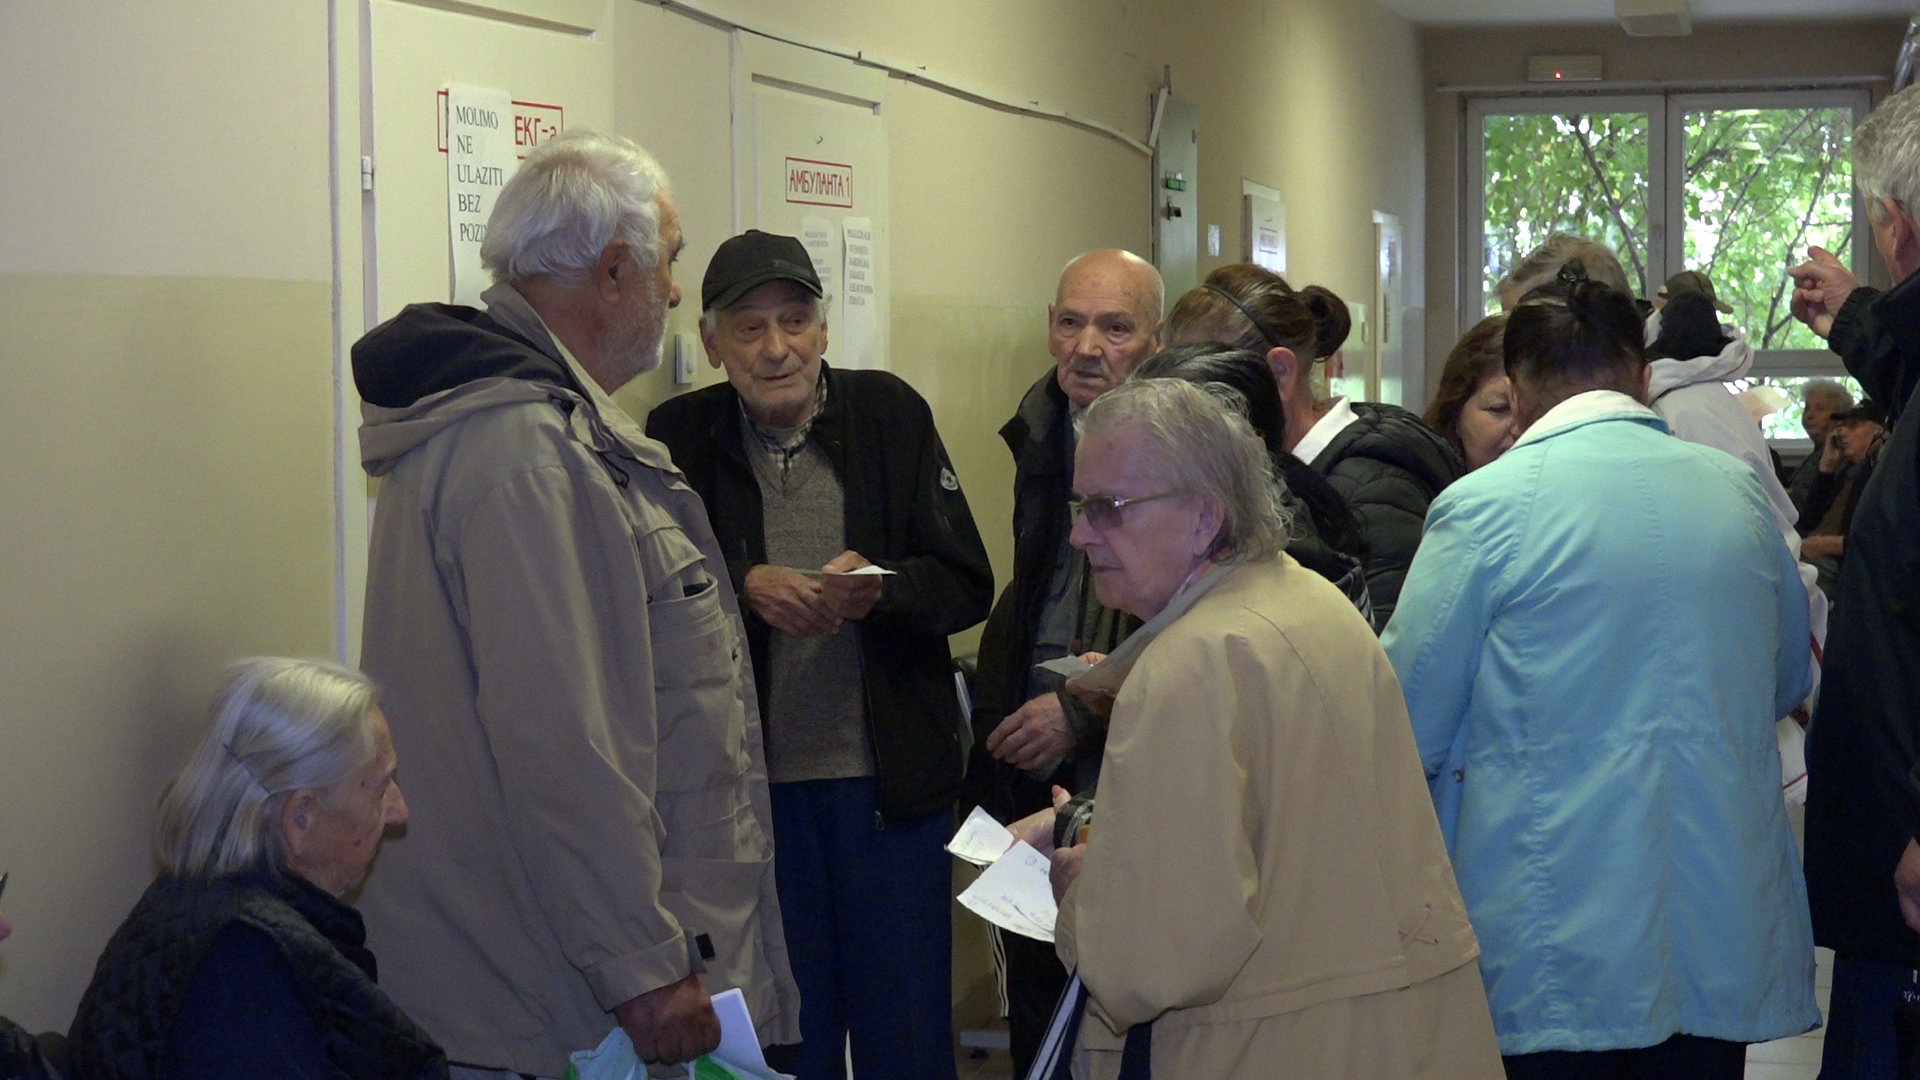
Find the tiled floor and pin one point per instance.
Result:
(1797, 1058)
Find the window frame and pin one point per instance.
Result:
(1666, 133)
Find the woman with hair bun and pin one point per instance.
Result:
(1594, 642)
(1382, 459)
(243, 959)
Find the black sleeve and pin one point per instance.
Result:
(242, 1018)
(1825, 488)
(946, 584)
(1874, 351)
(1392, 508)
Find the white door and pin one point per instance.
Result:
(554, 70)
(810, 160)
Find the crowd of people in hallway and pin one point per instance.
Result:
(1411, 746)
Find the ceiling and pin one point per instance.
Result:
(1535, 12)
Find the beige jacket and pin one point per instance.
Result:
(1264, 844)
(561, 657)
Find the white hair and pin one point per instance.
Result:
(1838, 398)
(1543, 264)
(277, 726)
(1198, 437)
(572, 197)
(1886, 155)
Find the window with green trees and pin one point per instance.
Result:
(1737, 186)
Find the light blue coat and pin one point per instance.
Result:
(1595, 640)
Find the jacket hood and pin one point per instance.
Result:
(1731, 362)
(1394, 436)
(433, 365)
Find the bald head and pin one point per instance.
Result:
(1105, 318)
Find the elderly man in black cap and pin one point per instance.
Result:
(845, 529)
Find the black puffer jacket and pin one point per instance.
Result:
(1388, 465)
(127, 1016)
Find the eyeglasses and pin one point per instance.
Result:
(1103, 511)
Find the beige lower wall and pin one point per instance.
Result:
(168, 500)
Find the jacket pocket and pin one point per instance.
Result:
(697, 658)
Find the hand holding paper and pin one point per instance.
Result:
(1015, 894)
(852, 585)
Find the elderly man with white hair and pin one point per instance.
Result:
(562, 656)
(1863, 749)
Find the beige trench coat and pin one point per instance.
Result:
(562, 660)
(1265, 879)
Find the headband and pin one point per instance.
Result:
(1259, 324)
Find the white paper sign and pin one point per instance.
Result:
(480, 157)
(981, 839)
(1014, 894)
(860, 322)
(822, 242)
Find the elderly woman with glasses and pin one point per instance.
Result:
(242, 959)
(1264, 881)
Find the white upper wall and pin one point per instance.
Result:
(137, 138)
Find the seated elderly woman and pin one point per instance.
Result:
(242, 959)
(1473, 409)
(1265, 881)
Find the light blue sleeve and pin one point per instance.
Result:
(1440, 627)
(1792, 665)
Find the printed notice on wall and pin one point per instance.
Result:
(480, 157)
(816, 234)
(859, 333)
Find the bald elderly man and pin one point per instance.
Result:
(1105, 318)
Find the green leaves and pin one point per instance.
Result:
(1760, 186)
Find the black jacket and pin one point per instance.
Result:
(123, 1029)
(1388, 465)
(904, 511)
(1042, 480)
(1863, 748)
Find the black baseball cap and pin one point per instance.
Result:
(1869, 410)
(752, 259)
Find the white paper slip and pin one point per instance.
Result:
(1014, 894)
(1067, 666)
(980, 839)
(739, 1045)
(865, 571)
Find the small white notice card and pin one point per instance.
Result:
(1014, 894)
(480, 157)
(981, 839)
(858, 340)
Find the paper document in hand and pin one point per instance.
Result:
(1067, 666)
(1014, 894)
(865, 571)
(980, 839)
(739, 1044)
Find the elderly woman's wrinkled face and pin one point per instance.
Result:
(332, 835)
(1142, 551)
